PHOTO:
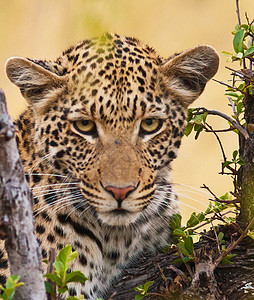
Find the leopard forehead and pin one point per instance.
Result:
(114, 80)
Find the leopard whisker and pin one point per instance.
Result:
(52, 191)
(54, 184)
(45, 174)
(53, 203)
(199, 190)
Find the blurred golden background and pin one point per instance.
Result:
(43, 29)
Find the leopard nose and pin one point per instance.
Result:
(120, 193)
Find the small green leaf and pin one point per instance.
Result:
(49, 287)
(188, 129)
(175, 221)
(231, 94)
(225, 261)
(179, 232)
(147, 285)
(54, 277)
(59, 267)
(139, 297)
(75, 276)
(238, 41)
(209, 209)
(251, 234)
(226, 164)
(188, 243)
(227, 53)
(182, 249)
(220, 237)
(235, 154)
(195, 219)
(249, 51)
(62, 290)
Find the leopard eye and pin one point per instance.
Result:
(149, 126)
(86, 127)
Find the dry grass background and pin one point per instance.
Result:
(42, 29)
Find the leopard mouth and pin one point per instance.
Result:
(120, 212)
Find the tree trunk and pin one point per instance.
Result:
(246, 174)
(16, 214)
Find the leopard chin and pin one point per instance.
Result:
(119, 218)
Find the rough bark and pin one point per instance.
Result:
(16, 214)
(246, 174)
(226, 282)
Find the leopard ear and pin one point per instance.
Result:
(187, 73)
(35, 82)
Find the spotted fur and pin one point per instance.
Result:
(107, 191)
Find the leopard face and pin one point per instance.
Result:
(107, 113)
(108, 117)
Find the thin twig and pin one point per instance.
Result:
(180, 273)
(235, 72)
(232, 103)
(213, 218)
(234, 123)
(233, 245)
(238, 12)
(239, 22)
(216, 236)
(220, 130)
(229, 86)
(226, 201)
(219, 141)
(185, 263)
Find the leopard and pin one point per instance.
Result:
(103, 124)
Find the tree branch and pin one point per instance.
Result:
(16, 214)
(235, 124)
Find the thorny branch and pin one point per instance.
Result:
(233, 245)
(235, 124)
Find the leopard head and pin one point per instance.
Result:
(111, 113)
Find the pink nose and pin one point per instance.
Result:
(120, 193)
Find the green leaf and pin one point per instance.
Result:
(182, 249)
(209, 209)
(175, 221)
(179, 232)
(75, 276)
(251, 234)
(49, 287)
(59, 268)
(235, 154)
(147, 285)
(226, 163)
(195, 219)
(197, 119)
(188, 129)
(188, 243)
(139, 297)
(231, 94)
(64, 253)
(238, 41)
(249, 51)
(226, 261)
(245, 26)
(62, 290)
(227, 53)
(54, 277)
(239, 108)
(220, 237)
